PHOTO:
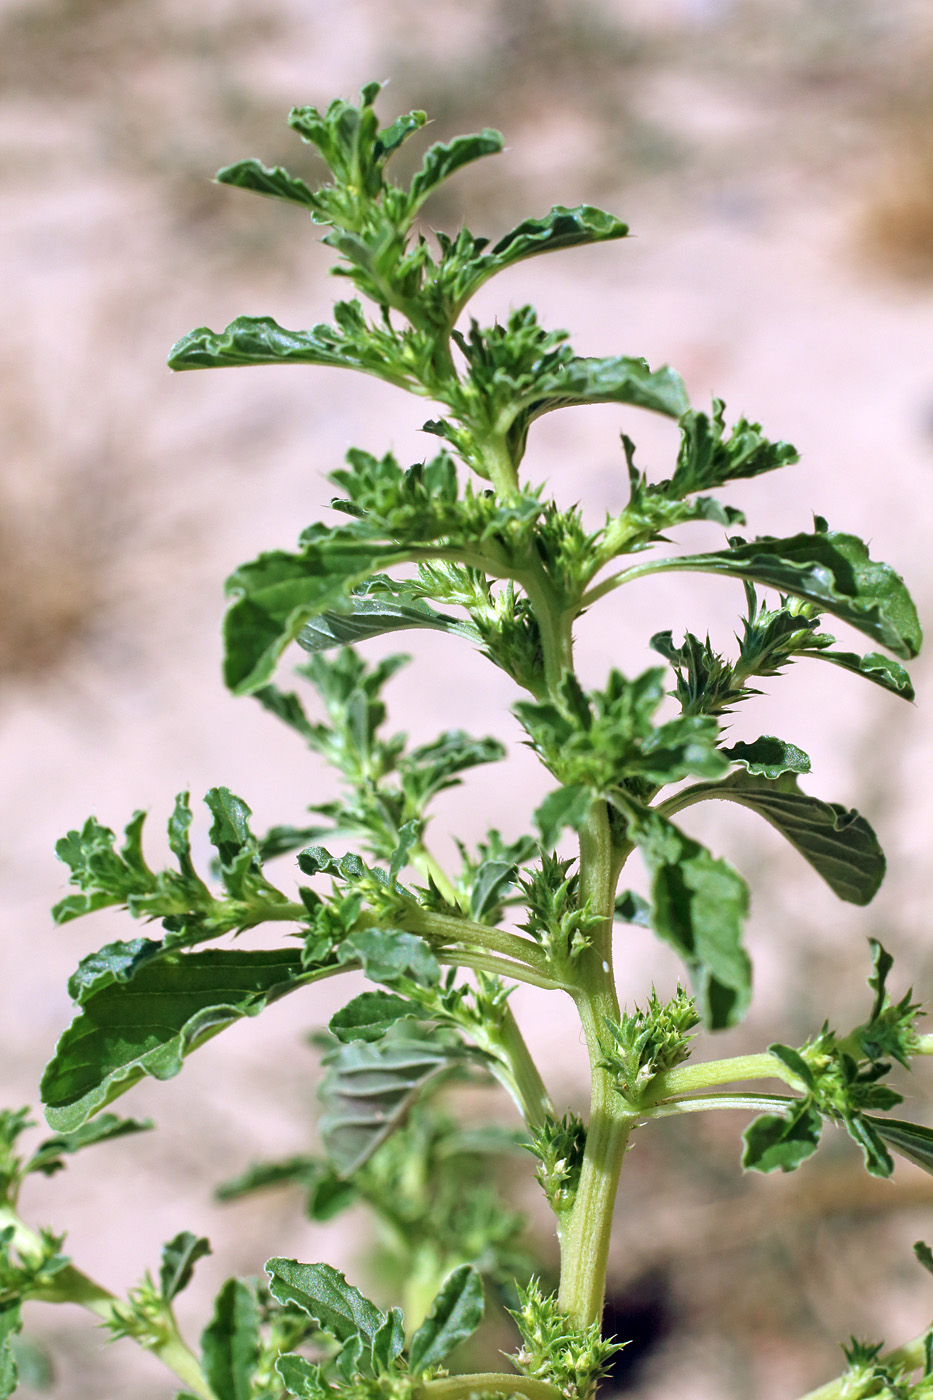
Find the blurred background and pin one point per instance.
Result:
(775, 162)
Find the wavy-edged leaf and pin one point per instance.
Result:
(828, 568)
(707, 458)
(778, 1141)
(179, 1257)
(368, 1090)
(324, 1294)
(147, 1020)
(390, 955)
(615, 379)
(698, 906)
(566, 806)
(839, 844)
(260, 340)
(10, 1324)
(274, 182)
(370, 1015)
(47, 1157)
(365, 617)
(230, 1342)
(768, 757)
(560, 228)
(443, 158)
(890, 675)
(302, 1378)
(910, 1140)
(278, 594)
(455, 1314)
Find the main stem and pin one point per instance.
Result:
(585, 1238)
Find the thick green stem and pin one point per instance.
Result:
(532, 1097)
(70, 1285)
(585, 1238)
(909, 1357)
(452, 928)
(693, 1078)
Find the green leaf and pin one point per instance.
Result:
(390, 955)
(707, 459)
(867, 1133)
(230, 1342)
(617, 379)
(10, 1324)
(830, 569)
(909, 1139)
(368, 1090)
(179, 1257)
(768, 757)
(443, 158)
(389, 1341)
(455, 1314)
(47, 1157)
(631, 908)
(567, 806)
(839, 844)
(276, 183)
(924, 1255)
(324, 1294)
(890, 675)
(365, 617)
(302, 1377)
(699, 905)
(277, 595)
(561, 228)
(148, 1024)
(369, 1016)
(778, 1141)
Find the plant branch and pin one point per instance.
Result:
(909, 1357)
(490, 1382)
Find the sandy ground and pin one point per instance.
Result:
(128, 495)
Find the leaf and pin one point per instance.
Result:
(909, 1139)
(278, 594)
(275, 182)
(890, 675)
(631, 908)
(866, 1132)
(839, 844)
(389, 955)
(699, 905)
(368, 1090)
(924, 1255)
(455, 1314)
(302, 1377)
(324, 1294)
(830, 569)
(230, 1342)
(147, 1025)
(768, 757)
(567, 806)
(561, 228)
(707, 459)
(179, 1257)
(47, 1157)
(10, 1324)
(617, 379)
(369, 1016)
(778, 1141)
(366, 617)
(443, 158)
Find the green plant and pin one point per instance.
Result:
(497, 563)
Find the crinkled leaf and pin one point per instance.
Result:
(794, 1061)
(390, 954)
(230, 1342)
(768, 757)
(47, 1157)
(455, 1314)
(147, 1025)
(302, 1377)
(10, 1324)
(778, 1141)
(839, 844)
(567, 806)
(179, 1257)
(278, 594)
(707, 458)
(443, 158)
(369, 1016)
(368, 1090)
(324, 1294)
(699, 905)
(365, 617)
(491, 881)
(275, 182)
(924, 1255)
(890, 675)
(867, 1133)
(389, 1341)
(616, 379)
(434, 767)
(830, 569)
(909, 1139)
